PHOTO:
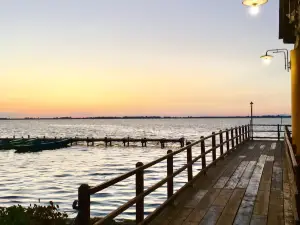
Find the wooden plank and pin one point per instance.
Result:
(243, 183)
(234, 179)
(261, 206)
(229, 212)
(277, 177)
(221, 182)
(275, 215)
(270, 159)
(223, 197)
(258, 220)
(245, 210)
(262, 147)
(181, 216)
(273, 146)
(193, 202)
(252, 146)
(198, 213)
(266, 178)
(212, 215)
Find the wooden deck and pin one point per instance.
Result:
(250, 186)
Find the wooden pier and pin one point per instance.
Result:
(109, 141)
(250, 183)
(251, 186)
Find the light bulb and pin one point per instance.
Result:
(254, 10)
(266, 59)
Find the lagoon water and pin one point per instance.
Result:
(56, 175)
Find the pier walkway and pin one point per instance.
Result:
(242, 182)
(250, 186)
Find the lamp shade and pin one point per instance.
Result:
(266, 59)
(254, 2)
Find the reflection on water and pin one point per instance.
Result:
(56, 175)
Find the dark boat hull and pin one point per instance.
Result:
(36, 147)
(7, 145)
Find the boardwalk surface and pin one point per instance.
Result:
(249, 187)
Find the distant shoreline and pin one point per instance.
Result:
(148, 117)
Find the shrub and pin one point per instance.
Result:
(33, 215)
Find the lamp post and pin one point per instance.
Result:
(267, 57)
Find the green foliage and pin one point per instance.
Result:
(33, 215)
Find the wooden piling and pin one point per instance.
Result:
(232, 140)
(139, 184)
(203, 158)
(221, 143)
(170, 185)
(227, 142)
(236, 136)
(84, 204)
(189, 160)
(213, 142)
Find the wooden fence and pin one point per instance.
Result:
(228, 141)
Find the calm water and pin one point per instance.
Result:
(56, 175)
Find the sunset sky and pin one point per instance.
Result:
(139, 57)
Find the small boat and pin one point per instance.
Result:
(7, 145)
(38, 145)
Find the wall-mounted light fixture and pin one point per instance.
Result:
(268, 58)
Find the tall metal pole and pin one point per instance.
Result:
(251, 121)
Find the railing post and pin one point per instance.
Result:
(236, 136)
(240, 134)
(221, 143)
(252, 134)
(246, 133)
(249, 135)
(203, 158)
(232, 139)
(213, 143)
(243, 133)
(169, 173)
(227, 141)
(139, 182)
(84, 204)
(189, 160)
(278, 132)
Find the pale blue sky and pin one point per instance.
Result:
(216, 44)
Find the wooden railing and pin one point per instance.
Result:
(293, 171)
(277, 129)
(228, 140)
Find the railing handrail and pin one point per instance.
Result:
(116, 180)
(241, 134)
(271, 125)
(278, 131)
(287, 138)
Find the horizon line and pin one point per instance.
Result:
(143, 117)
